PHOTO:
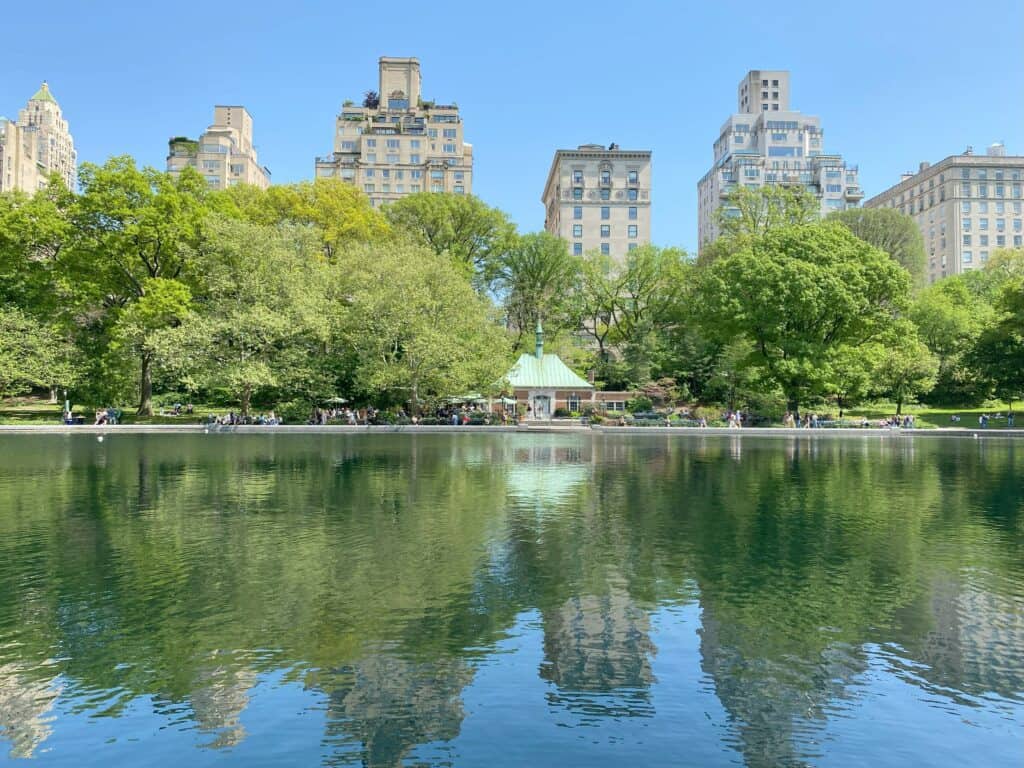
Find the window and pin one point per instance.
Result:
(1000, 225)
(386, 173)
(764, 94)
(983, 190)
(449, 133)
(573, 402)
(965, 207)
(967, 257)
(369, 173)
(577, 193)
(348, 146)
(577, 249)
(371, 142)
(577, 230)
(416, 174)
(764, 107)
(371, 157)
(577, 177)
(449, 148)
(386, 188)
(633, 177)
(1000, 190)
(966, 225)
(1016, 225)
(775, 107)
(399, 174)
(775, 94)
(414, 144)
(1017, 240)
(606, 194)
(606, 177)
(437, 187)
(775, 83)
(835, 188)
(393, 143)
(1000, 241)
(1016, 191)
(606, 230)
(631, 194)
(606, 212)
(632, 212)
(400, 188)
(631, 247)
(459, 175)
(414, 188)
(982, 174)
(211, 164)
(437, 174)
(432, 133)
(414, 159)
(392, 158)
(368, 188)
(460, 189)
(615, 405)
(764, 83)
(577, 212)
(965, 190)
(632, 230)
(965, 173)
(983, 223)
(1000, 207)
(605, 249)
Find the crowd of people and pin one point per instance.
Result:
(232, 419)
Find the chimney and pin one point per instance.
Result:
(969, 150)
(923, 166)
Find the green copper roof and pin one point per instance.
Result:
(545, 372)
(43, 94)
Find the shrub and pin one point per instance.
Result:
(640, 404)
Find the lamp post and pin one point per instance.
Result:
(67, 403)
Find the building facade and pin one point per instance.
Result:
(966, 206)
(37, 144)
(766, 142)
(224, 154)
(18, 166)
(599, 199)
(399, 144)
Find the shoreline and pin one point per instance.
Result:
(345, 429)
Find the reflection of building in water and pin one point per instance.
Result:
(549, 471)
(973, 640)
(219, 697)
(777, 699)
(597, 651)
(24, 707)
(389, 705)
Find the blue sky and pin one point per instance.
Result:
(894, 83)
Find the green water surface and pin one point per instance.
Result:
(509, 599)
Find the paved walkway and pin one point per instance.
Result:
(530, 428)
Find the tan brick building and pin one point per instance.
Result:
(37, 144)
(401, 145)
(599, 199)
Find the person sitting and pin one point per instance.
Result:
(101, 417)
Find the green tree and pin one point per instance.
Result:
(536, 280)
(753, 212)
(133, 226)
(340, 213)
(262, 315)
(417, 329)
(798, 293)
(31, 354)
(999, 351)
(906, 368)
(891, 231)
(472, 234)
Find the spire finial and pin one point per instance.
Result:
(539, 350)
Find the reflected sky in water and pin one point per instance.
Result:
(468, 599)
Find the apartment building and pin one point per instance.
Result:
(766, 142)
(966, 206)
(37, 144)
(224, 154)
(599, 199)
(397, 143)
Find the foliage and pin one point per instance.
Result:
(755, 212)
(371, 100)
(890, 231)
(31, 354)
(797, 294)
(905, 369)
(473, 235)
(536, 280)
(416, 329)
(999, 353)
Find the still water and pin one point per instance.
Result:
(506, 599)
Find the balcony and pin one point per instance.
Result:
(854, 193)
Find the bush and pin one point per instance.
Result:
(561, 413)
(640, 404)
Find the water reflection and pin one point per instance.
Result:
(381, 572)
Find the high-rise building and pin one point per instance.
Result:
(35, 146)
(18, 166)
(766, 142)
(397, 143)
(966, 207)
(599, 199)
(224, 154)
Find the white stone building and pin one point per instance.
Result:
(37, 144)
(224, 154)
(766, 142)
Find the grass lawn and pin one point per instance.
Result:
(930, 418)
(30, 410)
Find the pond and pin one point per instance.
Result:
(510, 599)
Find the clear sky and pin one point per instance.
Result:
(894, 82)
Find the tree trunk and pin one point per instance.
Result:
(794, 407)
(53, 395)
(899, 406)
(246, 399)
(146, 388)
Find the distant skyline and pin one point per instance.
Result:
(894, 84)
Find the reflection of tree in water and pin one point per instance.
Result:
(389, 705)
(219, 696)
(597, 653)
(24, 707)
